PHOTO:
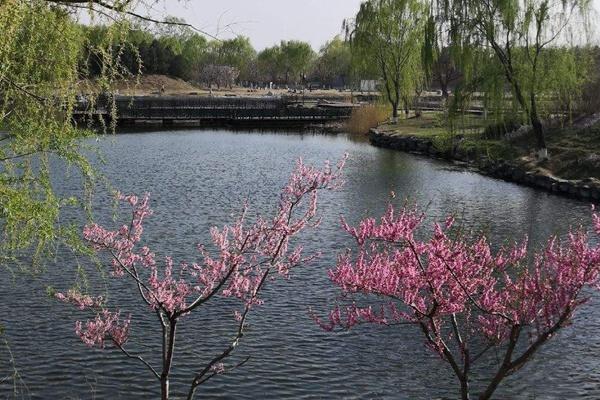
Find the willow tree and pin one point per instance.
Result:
(522, 34)
(269, 64)
(46, 57)
(387, 36)
(443, 45)
(39, 57)
(237, 53)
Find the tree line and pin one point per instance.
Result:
(479, 51)
(180, 52)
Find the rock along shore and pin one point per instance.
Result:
(586, 189)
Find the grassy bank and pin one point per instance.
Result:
(574, 150)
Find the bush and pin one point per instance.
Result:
(500, 129)
(366, 117)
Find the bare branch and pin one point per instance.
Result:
(123, 10)
(137, 358)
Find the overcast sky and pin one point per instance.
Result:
(267, 22)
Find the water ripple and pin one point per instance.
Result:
(197, 179)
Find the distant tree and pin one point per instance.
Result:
(574, 70)
(193, 53)
(387, 36)
(174, 44)
(269, 64)
(173, 26)
(158, 56)
(253, 75)
(220, 75)
(441, 46)
(295, 60)
(334, 62)
(237, 53)
(590, 101)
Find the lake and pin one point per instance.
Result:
(198, 179)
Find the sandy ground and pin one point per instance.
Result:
(163, 85)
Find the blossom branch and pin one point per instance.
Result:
(442, 281)
(246, 256)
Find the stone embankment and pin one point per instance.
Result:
(585, 189)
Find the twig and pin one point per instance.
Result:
(20, 88)
(122, 10)
(137, 358)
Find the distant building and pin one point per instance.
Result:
(368, 85)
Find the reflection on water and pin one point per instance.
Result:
(198, 179)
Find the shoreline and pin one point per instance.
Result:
(327, 128)
(584, 190)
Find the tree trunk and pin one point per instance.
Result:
(168, 350)
(464, 389)
(444, 88)
(489, 391)
(538, 130)
(164, 387)
(394, 112)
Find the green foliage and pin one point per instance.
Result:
(237, 53)
(296, 60)
(185, 54)
(334, 62)
(269, 63)
(289, 62)
(44, 54)
(387, 39)
(569, 70)
(531, 41)
(500, 129)
(178, 52)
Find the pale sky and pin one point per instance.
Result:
(267, 22)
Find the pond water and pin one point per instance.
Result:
(197, 179)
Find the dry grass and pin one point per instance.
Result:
(151, 85)
(365, 118)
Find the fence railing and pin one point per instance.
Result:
(218, 108)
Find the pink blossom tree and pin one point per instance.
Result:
(457, 291)
(247, 257)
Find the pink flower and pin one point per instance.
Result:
(82, 301)
(247, 255)
(429, 281)
(218, 368)
(106, 326)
